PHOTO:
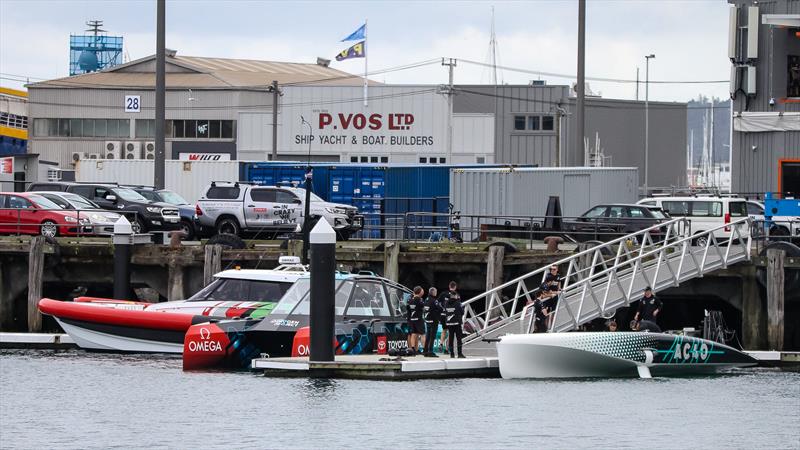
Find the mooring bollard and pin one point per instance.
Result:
(323, 269)
(123, 241)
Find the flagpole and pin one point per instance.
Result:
(366, 55)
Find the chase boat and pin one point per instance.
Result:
(129, 326)
(613, 354)
(369, 313)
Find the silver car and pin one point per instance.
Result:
(102, 221)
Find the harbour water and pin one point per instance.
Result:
(74, 399)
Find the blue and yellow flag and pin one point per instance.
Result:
(356, 51)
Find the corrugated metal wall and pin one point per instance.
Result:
(525, 192)
(515, 147)
(188, 178)
(755, 156)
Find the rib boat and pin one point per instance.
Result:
(102, 324)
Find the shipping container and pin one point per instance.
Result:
(526, 191)
(187, 178)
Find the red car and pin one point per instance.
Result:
(25, 213)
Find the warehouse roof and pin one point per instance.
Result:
(209, 73)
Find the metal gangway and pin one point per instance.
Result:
(601, 279)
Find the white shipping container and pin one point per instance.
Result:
(187, 178)
(526, 191)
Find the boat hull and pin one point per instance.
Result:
(101, 328)
(620, 354)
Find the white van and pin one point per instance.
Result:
(704, 213)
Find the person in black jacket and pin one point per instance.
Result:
(416, 327)
(454, 313)
(431, 313)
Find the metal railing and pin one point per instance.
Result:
(603, 278)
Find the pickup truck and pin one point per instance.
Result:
(239, 209)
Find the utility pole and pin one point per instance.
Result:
(451, 62)
(580, 88)
(637, 84)
(275, 93)
(158, 176)
(647, 120)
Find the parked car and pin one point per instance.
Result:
(237, 208)
(102, 221)
(185, 209)
(779, 226)
(607, 222)
(143, 214)
(704, 213)
(28, 213)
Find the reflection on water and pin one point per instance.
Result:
(74, 399)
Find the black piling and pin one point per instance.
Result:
(123, 242)
(323, 270)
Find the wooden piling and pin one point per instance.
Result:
(494, 266)
(175, 282)
(6, 301)
(391, 261)
(212, 264)
(35, 270)
(775, 298)
(753, 312)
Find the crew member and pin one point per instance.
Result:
(416, 327)
(551, 288)
(647, 314)
(454, 313)
(431, 313)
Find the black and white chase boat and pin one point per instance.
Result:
(613, 354)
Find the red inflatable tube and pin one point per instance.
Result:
(112, 316)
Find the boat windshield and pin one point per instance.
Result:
(232, 289)
(292, 297)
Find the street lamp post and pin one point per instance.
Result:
(647, 121)
(307, 206)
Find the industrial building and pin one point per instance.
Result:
(13, 121)
(764, 49)
(221, 109)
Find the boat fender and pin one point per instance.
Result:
(644, 371)
(648, 356)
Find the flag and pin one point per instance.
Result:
(360, 33)
(356, 51)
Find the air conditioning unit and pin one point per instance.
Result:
(149, 150)
(112, 150)
(131, 148)
(95, 156)
(77, 156)
(53, 174)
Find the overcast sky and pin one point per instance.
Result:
(689, 38)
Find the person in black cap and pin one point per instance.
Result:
(647, 313)
(454, 313)
(416, 327)
(431, 313)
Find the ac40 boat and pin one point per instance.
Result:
(613, 354)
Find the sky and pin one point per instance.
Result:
(689, 38)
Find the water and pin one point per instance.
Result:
(75, 399)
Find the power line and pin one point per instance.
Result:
(610, 80)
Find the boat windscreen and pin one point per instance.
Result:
(232, 289)
(292, 297)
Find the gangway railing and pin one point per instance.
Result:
(601, 279)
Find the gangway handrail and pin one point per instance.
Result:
(496, 307)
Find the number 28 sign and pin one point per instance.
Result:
(133, 103)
